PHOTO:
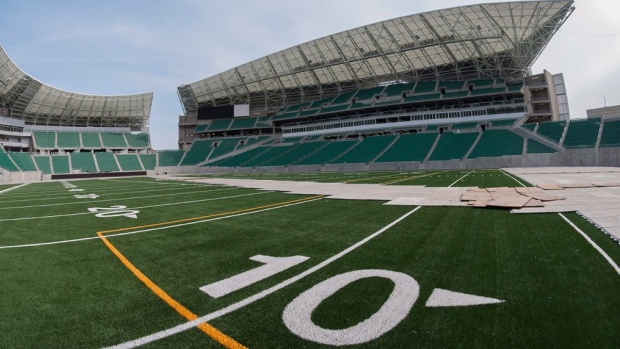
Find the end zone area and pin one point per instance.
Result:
(269, 269)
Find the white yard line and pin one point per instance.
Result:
(191, 324)
(135, 208)
(12, 188)
(597, 247)
(95, 202)
(467, 174)
(153, 229)
(509, 175)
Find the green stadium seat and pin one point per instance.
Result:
(582, 133)
(265, 157)
(453, 146)
(201, 128)
(243, 123)
(335, 108)
(149, 161)
(69, 140)
(611, 134)
(241, 158)
(343, 98)
(6, 162)
(170, 157)
(482, 83)
(225, 146)
(425, 87)
(220, 125)
(530, 127)
(365, 151)
(23, 161)
(497, 143)
(84, 162)
(368, 93)
(44, 140)
(397, 89)
(552, 130)
(44, 164)
(129, 162)
(295, 154)
(409, 147)
(456, 94)
(91, 140)
(488, 91)
(137, 140)
(451, 85)
(535, 147)
(106, 162)
(199, 152)
(60, 164)
(113, 140)
(422, 98)
(327, 153)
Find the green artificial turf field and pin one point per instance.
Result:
(130, 261)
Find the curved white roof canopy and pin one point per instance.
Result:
(39, 104)
(496, 40)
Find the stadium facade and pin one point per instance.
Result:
(42, 126)
(450, 88)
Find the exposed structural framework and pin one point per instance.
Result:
(35, 103)
(497, 40)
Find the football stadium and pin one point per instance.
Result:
(408, 183)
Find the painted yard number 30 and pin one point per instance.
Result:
(297, 315)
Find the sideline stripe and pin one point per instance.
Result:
(136, 208)
(514, 179)
(367, 178)
(13, 188)
(211, 331)
(597, 247)
(188, 325)
(221, 216)
(468, 173)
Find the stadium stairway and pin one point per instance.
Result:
(525, 132)
(235, 152)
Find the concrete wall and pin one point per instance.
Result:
(20, 177)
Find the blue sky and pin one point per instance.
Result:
(123, 47)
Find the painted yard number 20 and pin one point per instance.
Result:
(297, 314)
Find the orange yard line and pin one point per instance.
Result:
(211, 331)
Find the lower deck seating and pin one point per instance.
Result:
(453, 146)
(241, 158)
(535, 147)
(23, 161)
(497, 143)
(84, 162)
(148, 161)
(60, 164)
(106, 162)
(611, 134)
(6, 162)
(44, 163)
(365, 151)
(170, 157)
(328, 153)
(409, 147)
(582, 134)
(129, 162)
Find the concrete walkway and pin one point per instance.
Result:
(594, 192)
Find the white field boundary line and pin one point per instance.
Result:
(597, 247)
(514, 179)
(115, 192)
(362, 178)
(91, 202)
(214, 315)
(135, 208)
(458, 180)
(12, 188)
(152, 229)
